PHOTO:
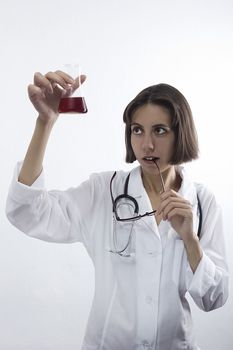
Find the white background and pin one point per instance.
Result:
(123, 46)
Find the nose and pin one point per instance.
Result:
(148, 143)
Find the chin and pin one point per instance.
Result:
(152, 169)
(149, 168)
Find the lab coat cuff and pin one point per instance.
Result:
(23, 193)
(199, 282)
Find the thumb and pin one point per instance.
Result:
(78, 81)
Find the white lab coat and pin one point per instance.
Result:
(139, 301)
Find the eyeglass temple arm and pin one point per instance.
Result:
(161, 178)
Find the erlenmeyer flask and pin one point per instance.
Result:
(76, 102)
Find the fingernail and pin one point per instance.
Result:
(68, 87)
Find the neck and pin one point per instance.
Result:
(152, 182)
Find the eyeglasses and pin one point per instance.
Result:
(121, 200)
(126, 209)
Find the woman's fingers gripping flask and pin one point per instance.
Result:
(73, 100)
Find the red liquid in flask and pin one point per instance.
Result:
(72, 105)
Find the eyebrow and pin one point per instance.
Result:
(155, 125)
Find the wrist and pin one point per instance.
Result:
(45, 123)
(193, 250)
(190, 240)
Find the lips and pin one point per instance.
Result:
(150, 158)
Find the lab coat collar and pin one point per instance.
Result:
(187, 189)
(136, 189)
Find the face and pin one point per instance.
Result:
(152, 136)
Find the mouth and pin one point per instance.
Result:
(151, 159)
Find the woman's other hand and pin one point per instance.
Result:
(47, 91)
(178, 211)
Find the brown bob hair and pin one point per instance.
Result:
(164, 95)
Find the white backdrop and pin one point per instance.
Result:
(123, 45)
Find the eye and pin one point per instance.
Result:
(160, 130)
(136, 130)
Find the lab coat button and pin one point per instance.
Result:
(152, 254)
(146, 345)
(41, 197)
(148, 299)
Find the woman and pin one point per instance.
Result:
(152, 233)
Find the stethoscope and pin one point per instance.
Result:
(136, 216)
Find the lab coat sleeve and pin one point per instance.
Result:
(53, 216)
(208, 285)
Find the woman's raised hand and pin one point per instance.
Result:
(47, 91)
